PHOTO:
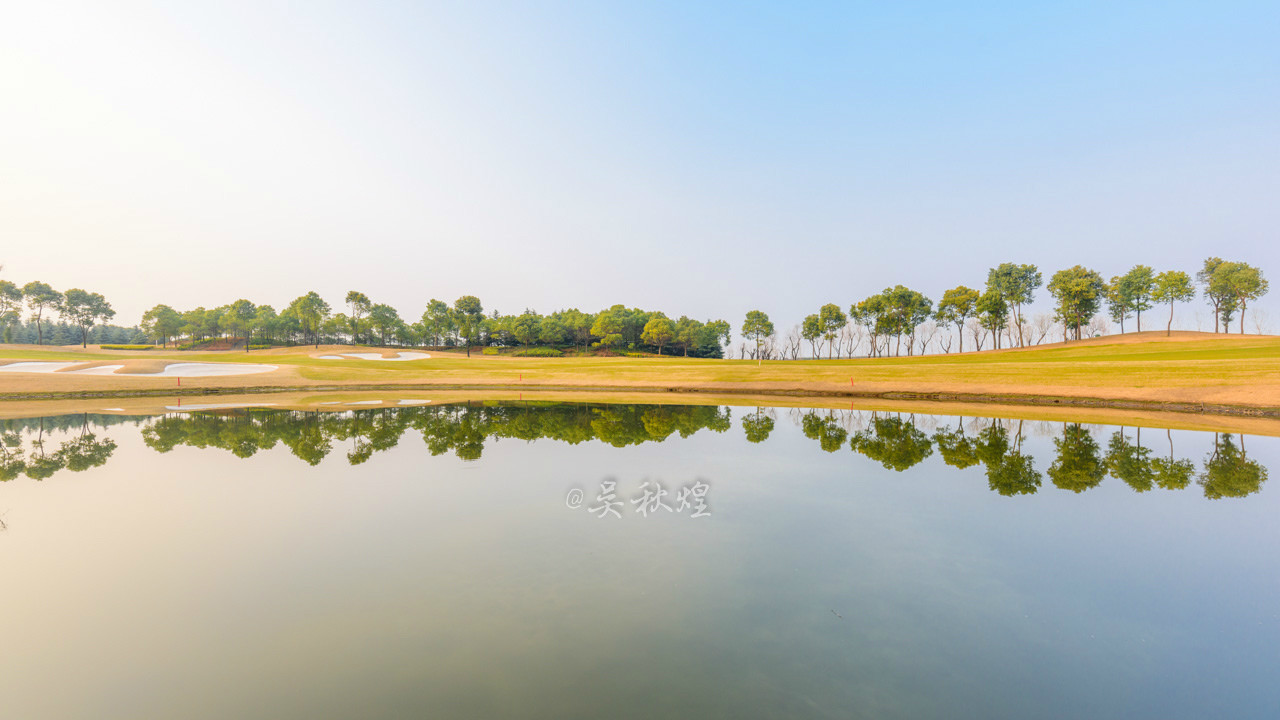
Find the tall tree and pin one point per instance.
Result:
(84, 309)
(437, 321)
(360, 307)
(1140, 283)
(10, 306)
(40, 297)
(1119, 299)
(811, 330)
(993, 315)
(1172, 286)
(1217, 295)
(526, 327)
(1243, 283)
(658, 331)
(1078, 292)
(957, 305)
(833, 320)
(468, 314)
(757, 327)
(385, 319)
(312, 312)
(1016, 285)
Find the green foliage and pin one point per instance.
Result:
(658, 331)
(1078, 292)
(1077, 467)
(490, 351)
(957, 305)
(1016, 286)
(126, 347)
(1228, 472)
(1172, 286)
(536, 352)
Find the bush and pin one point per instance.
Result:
(539, 352)
(126, 347)
(490, 351)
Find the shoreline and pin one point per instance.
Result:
(1030, 400)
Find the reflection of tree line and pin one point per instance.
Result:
(893, 440)
(1080, 462)
(460, 429)
(83, 450)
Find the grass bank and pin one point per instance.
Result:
(1185, 372)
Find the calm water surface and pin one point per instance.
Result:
(468, 562)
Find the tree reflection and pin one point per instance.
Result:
(1009, 472)
(41, 447)
(1077, 466)
(895, 443)
(1130, 462)
(829, 434)
(1228, 472)
(757, 426)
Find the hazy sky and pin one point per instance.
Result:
(700, 158)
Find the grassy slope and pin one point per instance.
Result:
(1185, 368)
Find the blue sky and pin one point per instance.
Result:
(697, 158)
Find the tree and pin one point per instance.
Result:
(360, 306)
(40, 297)
(1172, 286)
(238, 320)
(688, 333)
(1016, 285)
(993, 314)
(468, 313)
(1079, 293)
(610, 325)
(957, 305)
(757, 327)
(1140, 283)
(552, 331)
(311, 311)
(714, 337)
(385, 319)
(526, 327)
(84, 309)
(578, 324)
(1216, 295)
(811, 330)
(831, 318)
(1243, 283)
(1119, 300)
(10, 306)
(437, 321)
(658, 331)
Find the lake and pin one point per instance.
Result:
(580, 560)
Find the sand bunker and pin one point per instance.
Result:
(375, 356)
(173, 370)
(217, 406)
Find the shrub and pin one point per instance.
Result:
(539, 352)
(490, 351)
(126, 347)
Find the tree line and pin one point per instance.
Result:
(891, 322)
(900, 318)
(464, 323)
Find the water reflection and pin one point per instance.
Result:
(1083, 456)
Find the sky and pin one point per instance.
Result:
(699, 158)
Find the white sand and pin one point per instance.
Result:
(366, 402)
(413, 402)
(174, 370)
(376, 356)
(216, 406)
(36, 367)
